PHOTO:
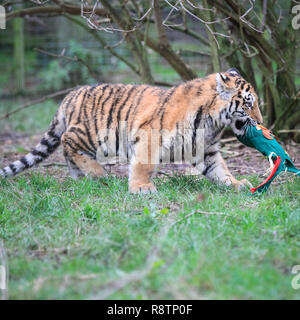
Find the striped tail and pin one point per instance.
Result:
(47, 145)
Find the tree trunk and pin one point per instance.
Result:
(19, 55)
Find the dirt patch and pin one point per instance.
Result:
(241, 160)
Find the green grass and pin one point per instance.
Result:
(82, 239)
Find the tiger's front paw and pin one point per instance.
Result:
(240, 185)
(142, 188)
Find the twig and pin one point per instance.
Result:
(170, 4)
(164, 173)
(39, 1)
(39, 282)
(201, 20)
(213, 213)
(242, 18)
(39, 100)
(262, 28)
(228, 140)
(74, 59)
(170, 13)
(194, 51)
(54, 164)
(103, 43)
(146, 14)
(288, 130)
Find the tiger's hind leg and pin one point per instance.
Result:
(75, 172)
(80, 162)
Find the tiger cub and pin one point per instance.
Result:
(88, 114)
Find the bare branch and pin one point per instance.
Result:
(66, 8)
(162, 38)
(103, 43)
(73, 59)
(39, 1)
(146, 13)
(262, 28)
(201, 20)
(242, 18)
(37, 101)
(173, 7)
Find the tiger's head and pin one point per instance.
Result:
(232, 87)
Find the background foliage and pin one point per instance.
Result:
(55, 44)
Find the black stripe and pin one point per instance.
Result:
(53, 135)
(12, 168)
(86, 124)
(239, 124)
(117, 97)
(76, 131)
(88, 148)
(46, 143)
(209, 168)
(163, 105)
(140, 97)
(97, 107)
(237, 103)
(196, 126)
(50, 147)
(75, 98)
(41, 154)
(81, 107)
(111, 91)
(240, 113)
(25, 162)
(89, 136)
(78, 147)
(129, 94)
(124, 103)
(67, 103)
(210, 154)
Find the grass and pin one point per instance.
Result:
(83, 239)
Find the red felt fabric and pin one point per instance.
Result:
(277, 163)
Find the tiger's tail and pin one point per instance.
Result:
(48, 144)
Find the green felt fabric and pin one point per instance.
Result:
(255, 138)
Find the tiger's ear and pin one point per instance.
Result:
(222, 86)
(233, 72)
(222, 78)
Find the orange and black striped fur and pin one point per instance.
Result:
(211, 103)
